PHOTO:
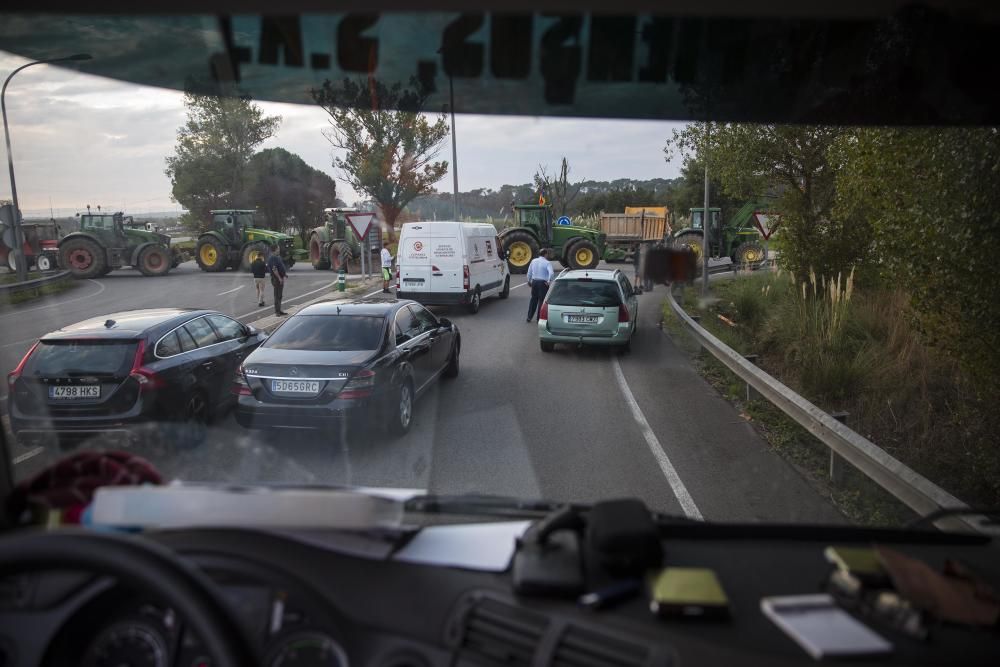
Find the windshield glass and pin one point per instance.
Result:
(56, 359)
(853, 260)
(328, 333)
(601, 293)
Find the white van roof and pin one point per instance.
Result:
(443, 223)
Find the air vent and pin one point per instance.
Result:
(497, 633)
(583, 647)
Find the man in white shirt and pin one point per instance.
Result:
(539, 277)
(386, 266)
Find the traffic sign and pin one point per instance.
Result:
(564, 220)
(766, 223)
(360, 223)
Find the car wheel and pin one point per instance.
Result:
(451, 370)
(546, 345)
(403, 416)
(474, 302)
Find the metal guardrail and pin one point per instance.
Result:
(8, 289)
(907, 485)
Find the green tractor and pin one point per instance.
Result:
(738, 239)
(574, 247)
(109, 241)
(233, 242)
(335, 245)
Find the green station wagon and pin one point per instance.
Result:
(589, 307)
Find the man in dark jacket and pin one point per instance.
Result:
(259, 269)
(278, 274)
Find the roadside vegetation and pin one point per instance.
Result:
(856, 351)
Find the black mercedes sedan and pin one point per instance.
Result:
(340, 366)
(113, 375)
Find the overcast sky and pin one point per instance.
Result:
(80, 139)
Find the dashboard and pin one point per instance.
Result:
(301, 603)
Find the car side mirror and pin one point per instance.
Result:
(444, 322)
(401, 338)
(251, 330)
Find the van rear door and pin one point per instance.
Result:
(413, 258)
(447, 258)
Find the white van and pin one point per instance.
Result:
(450, 263)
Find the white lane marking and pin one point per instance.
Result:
(63, 303)
(371, 293)
(518, 285)
(294, 298)
(20, 342)
(28, 455)
(231, 291)
(676, 485)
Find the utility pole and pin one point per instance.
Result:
(19, 258)
(705, 222)
(454, 144)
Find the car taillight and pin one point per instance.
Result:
(359, 386)
(397, 277)
(240, 386)
(543, 312)
(147, 379)
(16, 373)
(622, 313)
(465, 277)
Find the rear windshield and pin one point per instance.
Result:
(92, 357)
(328, 333)
(599, 293)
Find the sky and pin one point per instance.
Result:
(80, 139)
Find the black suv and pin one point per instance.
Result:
(107, 375)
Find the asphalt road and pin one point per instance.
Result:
(578, 425)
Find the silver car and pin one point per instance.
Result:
(589, 307)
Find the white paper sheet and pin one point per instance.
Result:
(475, 546)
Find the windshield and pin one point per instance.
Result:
(328, 333)
(854, 264)
(569, 292)
(62, 358)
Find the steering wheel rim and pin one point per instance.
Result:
(143, 565)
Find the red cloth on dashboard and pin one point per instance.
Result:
(69, 484)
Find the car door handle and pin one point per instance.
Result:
(208, 365)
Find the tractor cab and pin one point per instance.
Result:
(698, 218)
(108, 227)
(335, 221)
(232, 223)
(535, 216)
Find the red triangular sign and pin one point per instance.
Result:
(767, 223)
(360, 223)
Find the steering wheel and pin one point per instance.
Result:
(142, 565)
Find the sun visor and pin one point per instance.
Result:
(918, 66)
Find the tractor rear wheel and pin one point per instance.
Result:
(583, 254)
(341, 256)
(250, 253)
(83, 258)
(694, 242)
(320, 261)
(750, 254)
(520, 248)
(211, 255)
(154, 261)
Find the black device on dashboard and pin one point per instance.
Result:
(623, 538)
(548, 560)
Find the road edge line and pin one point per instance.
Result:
(673, 479)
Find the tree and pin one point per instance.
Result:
(932, 200)
(285, 188)
(213, 150)
(557, 189)
(752, 159)
(389, 144)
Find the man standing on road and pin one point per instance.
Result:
(278, 274)
(386, 267)
(259, 268)
(539, 277)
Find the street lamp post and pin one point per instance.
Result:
(19, 259)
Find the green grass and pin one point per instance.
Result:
(857, 352)
(43, 291)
